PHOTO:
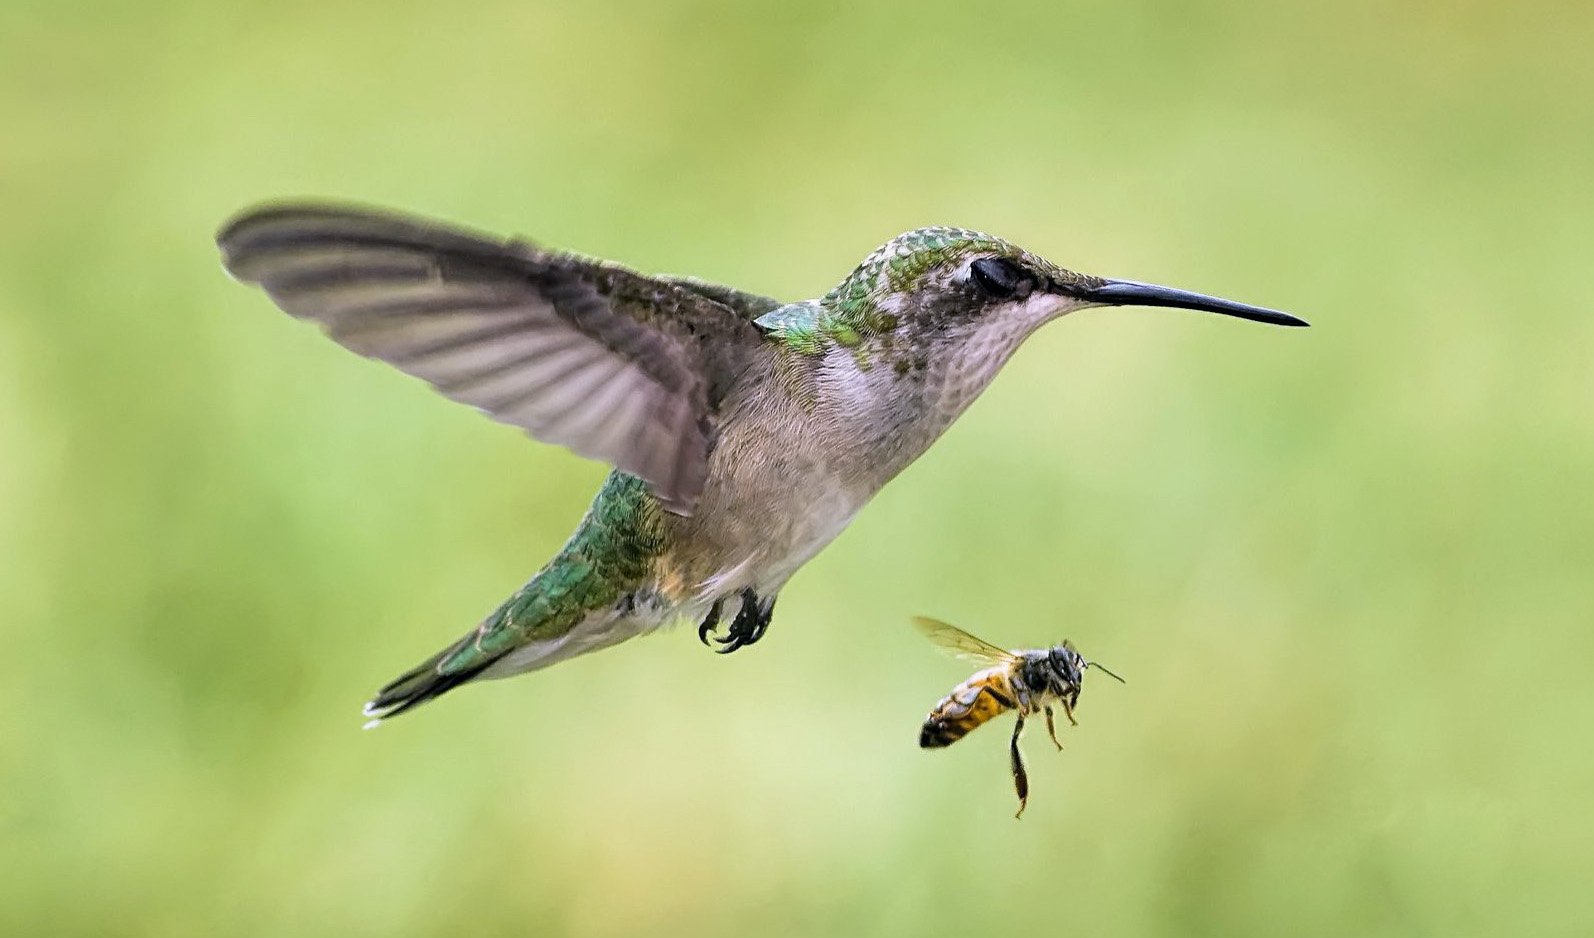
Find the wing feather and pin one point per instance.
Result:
(608, 362)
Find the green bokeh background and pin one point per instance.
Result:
(1346, 571)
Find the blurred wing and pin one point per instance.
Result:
(960, 644)
(613, 364)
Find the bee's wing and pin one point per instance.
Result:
(960, 644)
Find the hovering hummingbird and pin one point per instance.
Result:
(745, 433)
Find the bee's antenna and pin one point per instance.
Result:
(1100, 667)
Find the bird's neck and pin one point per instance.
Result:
(889, 398)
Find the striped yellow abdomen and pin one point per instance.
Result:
(977, 700)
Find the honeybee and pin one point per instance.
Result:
(1025, 680)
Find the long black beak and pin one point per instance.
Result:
(1134, 293)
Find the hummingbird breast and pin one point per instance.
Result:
(775, 493)
(806, 440)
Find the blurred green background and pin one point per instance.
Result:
(1347, 572)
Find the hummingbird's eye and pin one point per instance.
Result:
(1001, 279)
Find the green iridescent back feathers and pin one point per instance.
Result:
(609, 554)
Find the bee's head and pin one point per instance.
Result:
(1068, 664)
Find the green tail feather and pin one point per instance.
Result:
(607, 558)
(423, 682)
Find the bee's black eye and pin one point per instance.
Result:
(1001, 279)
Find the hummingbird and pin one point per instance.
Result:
(744, 432)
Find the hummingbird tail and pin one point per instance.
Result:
(582, 600)
(421, 683)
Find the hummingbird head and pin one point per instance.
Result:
(958, 281)
(951, 305)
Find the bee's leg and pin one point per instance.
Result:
(1020, 777)
(1068, 711)
(751, 621)
(1051, 729)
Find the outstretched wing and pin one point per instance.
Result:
(960, 644)
(611, 363)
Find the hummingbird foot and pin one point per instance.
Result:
(750, 624)
(710, 621)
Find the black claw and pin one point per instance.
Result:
(709, 622)
(750, 624)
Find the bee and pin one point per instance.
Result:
(1025, 680)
